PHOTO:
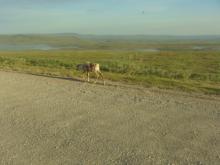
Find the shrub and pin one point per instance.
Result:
(197, 76)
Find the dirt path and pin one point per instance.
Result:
(53, 121)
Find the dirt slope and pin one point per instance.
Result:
(54, 121)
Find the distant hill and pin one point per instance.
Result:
(50, 39)
(153, 37)
(79, 41)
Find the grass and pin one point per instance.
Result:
(183, 70)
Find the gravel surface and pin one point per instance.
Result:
(54, 121)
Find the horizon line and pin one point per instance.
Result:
(177, 35)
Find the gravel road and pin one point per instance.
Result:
(54, 121)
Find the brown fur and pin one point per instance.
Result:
(91, 67)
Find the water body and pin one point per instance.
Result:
(23, 47)
(198, 48)
(20, 47)
(45, 47)
(205, 48)
(148, 50)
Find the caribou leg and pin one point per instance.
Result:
(100, 73)
(88, 76)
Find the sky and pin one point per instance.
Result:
(149, 17)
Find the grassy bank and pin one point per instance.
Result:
(184, 70)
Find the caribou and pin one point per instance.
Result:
(91, 67)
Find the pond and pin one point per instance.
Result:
(149, 50)
(20, 47)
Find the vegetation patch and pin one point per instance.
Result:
(183, 70)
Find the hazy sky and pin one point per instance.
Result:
(175, 17)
